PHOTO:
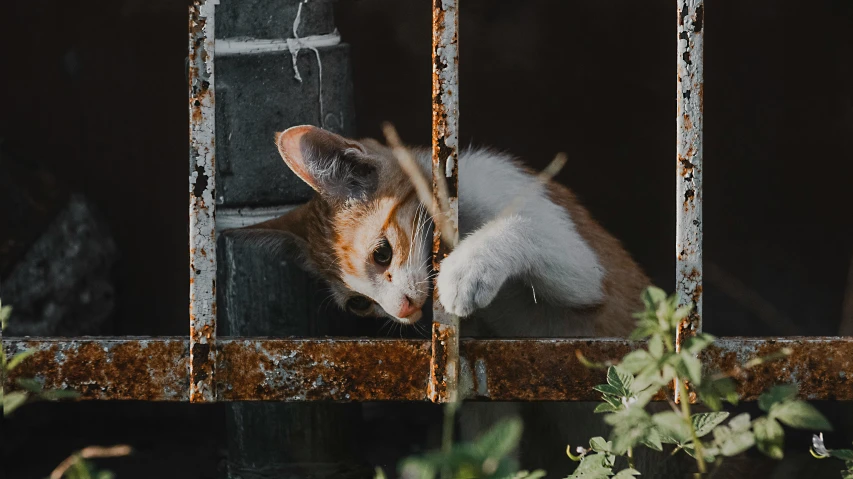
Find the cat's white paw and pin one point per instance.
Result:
(468, 282)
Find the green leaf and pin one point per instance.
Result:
(695, 344)
(735, 437)
(608, 389)
(690, 368)
(769, 437)
(598, 444)
(705, 422)
(656, 346)
(777, 394)
(105, 475)
(380, 474)
(620, 379)
(672, 426)
(644, 329)
(710, 452)
(592, 466)
(12, 401)
(740, 423)
(681, 313)
(630, 426)
(614, 401)
(800, 415)
(636, 361)
(18, 358)
(843, 454)
(652, 296)
(626, 474)
(29, 384)
(652, 440)
(537, 474)
(5, 313)
(710, 399)
(605, 407)
(713, 392)
(501, 439)
(737, 443)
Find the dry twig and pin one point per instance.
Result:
(91, 452)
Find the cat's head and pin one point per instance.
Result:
(365, 232)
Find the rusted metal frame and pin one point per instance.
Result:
(202, 187)
(688, 191)
(262, 369)
(444, 365)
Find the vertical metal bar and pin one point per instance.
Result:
(688, 240)
(202, 204)
(444, 365)
(688, 191)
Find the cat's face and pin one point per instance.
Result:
(366, 232)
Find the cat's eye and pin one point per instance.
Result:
(358, 304)
(382, 254)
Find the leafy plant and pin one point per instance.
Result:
(75, 466)
(708, 436)
(820, 451)
(30, 387)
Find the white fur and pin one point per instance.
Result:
(537, 246)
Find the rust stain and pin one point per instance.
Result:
(543, 370)
(822, 368)
(310, 370)
(110, 369)
(155, 369)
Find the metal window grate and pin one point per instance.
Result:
(203, 369)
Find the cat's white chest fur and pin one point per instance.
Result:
(516, 274)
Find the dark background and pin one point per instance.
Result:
(96, 92)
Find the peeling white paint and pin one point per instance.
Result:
(688, 196)
(251, 46)
(228, 218)
(202, 184)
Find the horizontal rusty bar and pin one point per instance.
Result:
(251, 369)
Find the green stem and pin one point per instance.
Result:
(447, 434)
(631, 458)
(685, 411)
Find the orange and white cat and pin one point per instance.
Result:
(547, 270)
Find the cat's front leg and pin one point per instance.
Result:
(546, 252)
(471, 276)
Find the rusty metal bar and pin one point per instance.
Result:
(444, 365)
(260, 369)
(688, 178)
(202, 204)
(688, 193)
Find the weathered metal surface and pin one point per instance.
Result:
(297, 370)
(147, 369)
(539, 370)
(444, 366)
(689, 93)
(822, 367)
(311, 370)
(202, 205)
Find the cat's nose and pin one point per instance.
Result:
(407, 308)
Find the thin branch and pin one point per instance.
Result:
(441, 211)
(90, 452)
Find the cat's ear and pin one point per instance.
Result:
(335, 167)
